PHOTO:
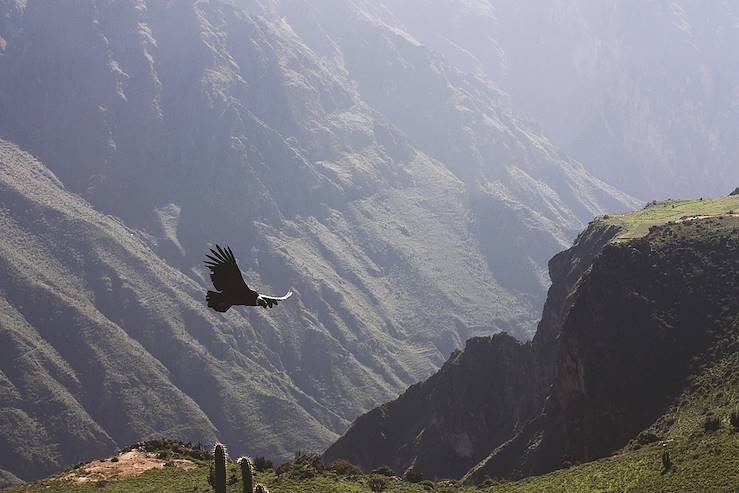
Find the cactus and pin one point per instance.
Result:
(666, 461)
(219, 473)
(247, 474)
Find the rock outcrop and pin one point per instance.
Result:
(624, 326)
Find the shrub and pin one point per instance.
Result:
(114, 459)
(385, 471)
(413, 476)
(377, 483)
(303, 466)
(646, 437)
(261, 464)
(734, 417)
(344, 468)
(712, 423)
(488, 483)
(428, 485)
(174, 448)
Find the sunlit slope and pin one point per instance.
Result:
(103, 343)
(637, 224)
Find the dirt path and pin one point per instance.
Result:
(129, 464)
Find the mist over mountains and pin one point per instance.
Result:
(337, 147)
(645, 94)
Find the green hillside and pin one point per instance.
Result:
(637, 224)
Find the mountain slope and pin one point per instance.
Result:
(247, 124)
(444, 425)
(645, 95)
(104, 343)
(639, 331)
(471, 405)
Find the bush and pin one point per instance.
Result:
(303, 466)
(712, 423)
(377, 482)
(173, 448)
(343, 467)
(261, 464)
(114, 459)
(385, 471)
(413, 476)
(428, 485)
(734, 419)
(646, 437)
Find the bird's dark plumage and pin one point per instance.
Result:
(231, 288)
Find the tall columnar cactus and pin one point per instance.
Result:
(247, 474)
(666, 461)
(219, 473)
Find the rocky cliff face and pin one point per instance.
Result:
(445, 425)
(483, 396)
(649, 314)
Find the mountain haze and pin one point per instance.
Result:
(645, 94)
(398, 195)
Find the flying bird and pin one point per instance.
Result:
(232, 290)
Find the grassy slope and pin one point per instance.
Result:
(637, 224)
(196, 480)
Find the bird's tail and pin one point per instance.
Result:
(215, 301)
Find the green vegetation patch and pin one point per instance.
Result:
(637, 224)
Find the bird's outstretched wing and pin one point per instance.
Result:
(224, 272)
(268, 301)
